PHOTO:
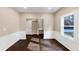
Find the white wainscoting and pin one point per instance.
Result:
(8, 40)
(70, 44)
(48, 34)
(22, 35)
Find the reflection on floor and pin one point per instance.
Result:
(35, 45)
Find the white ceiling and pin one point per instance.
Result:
(37, 9)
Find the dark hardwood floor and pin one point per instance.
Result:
(37, 44)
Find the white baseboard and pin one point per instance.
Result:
(8, 40)
(70, 44)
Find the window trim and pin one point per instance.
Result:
(62, 26)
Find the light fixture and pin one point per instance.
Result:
(49, 8)
(25, 7)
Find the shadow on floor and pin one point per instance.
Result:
(35, 45)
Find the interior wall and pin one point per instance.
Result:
(63, 11)
(24, 18)
(70, 44)
(48, 25)
(47, 21)
(9, 21)
(10, 31)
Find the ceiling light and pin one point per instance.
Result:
(49, 8)
(25, 7)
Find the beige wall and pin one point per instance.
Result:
(47, 19)
(61, 12)
(70, 44)
(9, 21)
(48, 22)
(23, 20)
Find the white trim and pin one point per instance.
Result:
(22, 35)
(68, 14)
(70, 44)
(48, 34)
(62, 26)
(8, 40)
(68, 37)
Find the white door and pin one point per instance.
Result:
(29, 27)
(34, 27)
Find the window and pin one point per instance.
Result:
(68, 26)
